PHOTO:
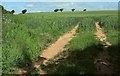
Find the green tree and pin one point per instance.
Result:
(73, 10)
(61, 9)
(24, 11)
(56, 10)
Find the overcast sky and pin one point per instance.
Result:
(50, 6)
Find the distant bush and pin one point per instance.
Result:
(56, 10)
(13, 11)
(73, 10)
(24, 11)
(85, 10)
(61, 9)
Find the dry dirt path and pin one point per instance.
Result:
(51, 51)
(103, 64)
(58, 46)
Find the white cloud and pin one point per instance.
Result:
(66, 5)
(29, 11)
(29, 5)
(35, 11)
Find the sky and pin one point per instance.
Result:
(67, 6)
(60, 0)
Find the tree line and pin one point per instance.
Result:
(61, 10)
(4, 11)
(56, 10)
(23, 11)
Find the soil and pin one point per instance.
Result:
(102, 63)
